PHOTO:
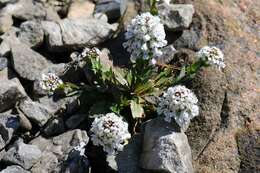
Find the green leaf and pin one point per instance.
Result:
(120, 75)
(136, 109)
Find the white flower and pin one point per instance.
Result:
(179, 103)
(212, 56)
(145, 37)
(110, 132)
(81, 148)
(50, 82)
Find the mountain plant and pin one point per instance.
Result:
(119, 99)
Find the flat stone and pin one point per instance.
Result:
(80, 33)
(176, 17)
(14, 169)
(26, 62)
(165, 149)
(31, 34)
(22, 154)
(36, 112)
(8, 125)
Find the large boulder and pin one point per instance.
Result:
(165, 149)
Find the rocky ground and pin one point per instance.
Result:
(39, 134)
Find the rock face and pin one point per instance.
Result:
(8, 125)
(26, 62)
(23, 154)
(176, 17)
(165, 149)
(112, 8)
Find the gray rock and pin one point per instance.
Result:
(36, 112)
(48, 163)
(101, 16)
(165, 149)
(189, 39)
(31, 34)
(80, 9)
(60, 6)
(75, 120)
(2, 153)
(80, 33)
(24, 121)
(76, 163)
(168, 54)
(54, 127)
(29, 10)
(22, 154)
(6, 22)
(7, 38)
(68, 105)
(53, 35)
(128, 159)
(14, 169)
(11, 91)
(112, 8)
(26, 62)
(3, 63)
(8, 124)
(59, 154)
(176, 17)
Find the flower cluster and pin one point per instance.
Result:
(81, 148)
(87, 52)
(145, 37)
(110, 132)
(50, 82)
(179, 103)
(212, 56)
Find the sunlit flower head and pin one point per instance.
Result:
(145, 37)
(50, 82)
(178, 103)
(212, 56)
(110, 132)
